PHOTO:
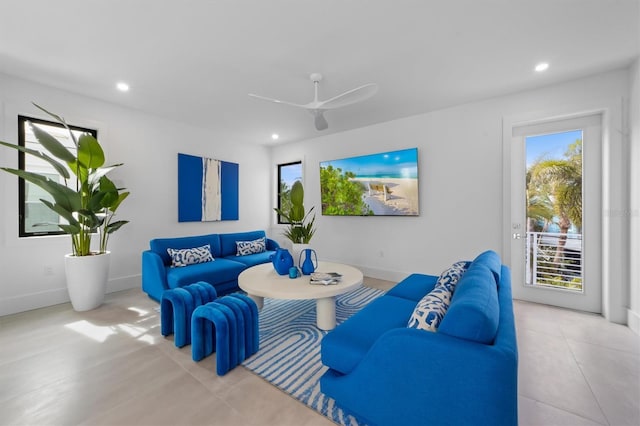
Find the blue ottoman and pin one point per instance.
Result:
(176, 308)
(228, 327)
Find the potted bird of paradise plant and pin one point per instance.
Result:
(86, 199)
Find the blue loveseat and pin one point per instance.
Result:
(158, 275)
(465, 373)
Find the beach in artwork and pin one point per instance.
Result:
(401, 196)
(383, 184)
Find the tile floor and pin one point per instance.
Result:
(111, 366)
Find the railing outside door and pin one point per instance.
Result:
(554, 260)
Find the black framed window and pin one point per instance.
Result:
(36, 219)
(288, 173)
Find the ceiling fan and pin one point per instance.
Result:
(318, 107)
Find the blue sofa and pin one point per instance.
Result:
(158, 275)
(465, 373)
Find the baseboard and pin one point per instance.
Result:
(381, 274)
(42, 299)
(124, 283)
(633, 321)
(28, 302)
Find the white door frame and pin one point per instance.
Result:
(615, 240)
(590, 299)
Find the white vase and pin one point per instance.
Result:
(296, 249)
(87, 279)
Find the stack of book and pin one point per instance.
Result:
(325, 278)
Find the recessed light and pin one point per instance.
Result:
(542, 66)
(275, 136)
(123, 87)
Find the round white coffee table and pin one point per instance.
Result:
(263, 281)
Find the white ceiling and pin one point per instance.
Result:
(196, 60)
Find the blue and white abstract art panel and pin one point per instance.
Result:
(207, 189)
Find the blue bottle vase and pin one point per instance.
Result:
(282, 261)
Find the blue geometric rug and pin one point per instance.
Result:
(289, 355)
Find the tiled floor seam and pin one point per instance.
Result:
(584, 376)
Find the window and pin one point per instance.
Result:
(34, 217)
(287, 174)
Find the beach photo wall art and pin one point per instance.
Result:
(207, 189)
(383, 184)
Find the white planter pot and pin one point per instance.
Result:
(87, 279)
(296, 249)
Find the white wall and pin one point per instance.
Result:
(634, 205)
(148, 146)
(461, 182)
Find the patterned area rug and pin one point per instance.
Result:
(289, 355)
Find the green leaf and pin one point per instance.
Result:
(91, 221)
(66, 197)
(97, 175)
(96, 201)
(90, 152)
(121, 197)
(62, 212)
(70, 229)
(52, 144)
(296, 213)
(113, 227)
(297, 193)
(50, 114)
(61, 169)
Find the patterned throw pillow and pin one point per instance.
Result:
(190, 256)
(251, 247)
(450, 277)
(430, 310)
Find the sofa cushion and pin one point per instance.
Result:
(244, 248)
(228, 241)
(474, 311)
(253, 259)
(450, 276)
(160, 245)
(214, 273)
(344, 347)
(430, 310)
(491, 260)
(190, 256)
(414, 287)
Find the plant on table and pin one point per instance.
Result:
(301, 227)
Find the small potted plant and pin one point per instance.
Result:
(300, 227)
(88, 206)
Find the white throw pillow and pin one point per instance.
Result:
(430, 310)
(449, 277)
(251, 247)
(190, 256)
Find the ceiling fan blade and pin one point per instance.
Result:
(320, 121)
(277, 101)
(351, 97)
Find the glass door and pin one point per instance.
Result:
(556, 213)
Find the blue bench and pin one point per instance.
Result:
(227, 326)
(177, 306)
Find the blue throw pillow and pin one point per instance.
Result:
(251, 247)
(430, 310)
(190, 256)
(450, 277)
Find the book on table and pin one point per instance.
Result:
(325, 278)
